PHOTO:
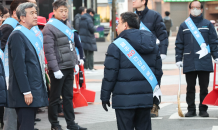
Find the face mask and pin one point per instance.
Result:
(195, 12)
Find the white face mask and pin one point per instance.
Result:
(195, 12)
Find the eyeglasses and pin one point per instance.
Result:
(195, 7)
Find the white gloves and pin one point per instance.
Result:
(76, 69)
(163, 56)
(216, 60)
(81, 62)
(157, 92)
(179, 64)
(58, 74)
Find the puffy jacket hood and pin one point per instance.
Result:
(142, 41)
(77, 16)
(86, 16)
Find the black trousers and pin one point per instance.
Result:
(1, 115)
(62, 87)
(133, 119)
(204, 78)
(26, 118)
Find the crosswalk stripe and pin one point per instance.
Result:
(215, 128)
(176, 116)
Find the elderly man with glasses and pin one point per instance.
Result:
(195, 44)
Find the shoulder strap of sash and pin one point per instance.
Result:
(11, 21)
(32, 38)
(142, 25)
(137, 60)
(62, 27)
(38, 34)
(1, 55)
(195, 32)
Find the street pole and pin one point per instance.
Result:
(113, 19)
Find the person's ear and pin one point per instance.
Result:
(126, 26)
(22, 18)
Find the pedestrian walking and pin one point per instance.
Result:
(168, 22)
(3, 88)
(27, 90)
(132, 71)
(61, 56)
(195, 44)
(86, 32)
(82, 11)
(152, 21)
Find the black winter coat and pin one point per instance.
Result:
(154, 22)
(6, 30)
(128, 86)
(3, 87)
(187, 46)
(25, 73)
(86, 32)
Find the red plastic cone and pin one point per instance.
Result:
(212, 97)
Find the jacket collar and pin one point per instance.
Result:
(64, 22)
(142, 13)
(196, 19)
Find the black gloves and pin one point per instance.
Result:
(104, 105)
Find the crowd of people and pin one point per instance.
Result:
(39, 60)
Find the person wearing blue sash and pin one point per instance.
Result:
(10, 116)
(196, 44)
(152, 21)
(132, 74)
(27, 90)
(3, 88)
(59, 47)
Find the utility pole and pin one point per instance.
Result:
(113, 19)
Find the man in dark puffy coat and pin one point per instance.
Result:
(86, 32)
(154, 22)
(132, 96)
(187, 50)
(82, 11)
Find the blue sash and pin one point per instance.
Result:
(32, 38)
(137, 60)
(13, 23)
(38, 34)
(195, 32)
(62, 27)
(142, 26)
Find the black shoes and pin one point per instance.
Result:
(56, 128)
(77, 127)
(37, 119)
(203, 114)
(190, 114)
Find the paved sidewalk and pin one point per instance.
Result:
(95, 118)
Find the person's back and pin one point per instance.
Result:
(168, 22)
(132, 93)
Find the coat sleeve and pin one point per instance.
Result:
(78, 45)
(158, 68)
(179, 45)
(6, 31)
(110, 72)
(49, 48)
(213, 41)
(161, 34)
(18, 52)
(77, 24)
(91, 26)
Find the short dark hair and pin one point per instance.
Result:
(194, 1)
(146, 2)
(81, 9)
(58, 3)
(90, 10)
(15, 4)
(167, 13)
(1, 8)
(131, 18)
(5, 11)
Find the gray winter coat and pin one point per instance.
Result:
(76, 21)
(57, 49)
(86, 32)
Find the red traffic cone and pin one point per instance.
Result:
(88, 94)
(78, 99)
(212, 97)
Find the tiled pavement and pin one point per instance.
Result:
(95, 118)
